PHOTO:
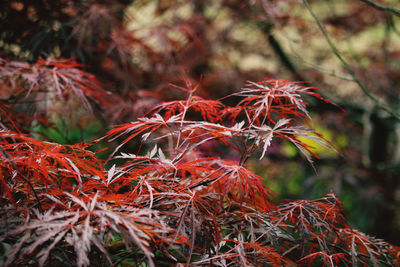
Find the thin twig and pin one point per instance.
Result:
(392, 10)
(324, 70)
(378, 101)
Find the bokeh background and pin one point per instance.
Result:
(137, 48)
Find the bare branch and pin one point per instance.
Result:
(378, 101)
(392, 10)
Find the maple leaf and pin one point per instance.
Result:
(53, 80)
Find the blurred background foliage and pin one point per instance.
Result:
(136, 48)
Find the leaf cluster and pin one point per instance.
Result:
(175, 203)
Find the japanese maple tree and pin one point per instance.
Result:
(179, 199)
(181, 185)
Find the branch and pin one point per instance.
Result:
(334, 73)
(287, 63)
(283, 57)
(392, 10)
(378, 101)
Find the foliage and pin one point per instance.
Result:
(176, 203)
(191, 181)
